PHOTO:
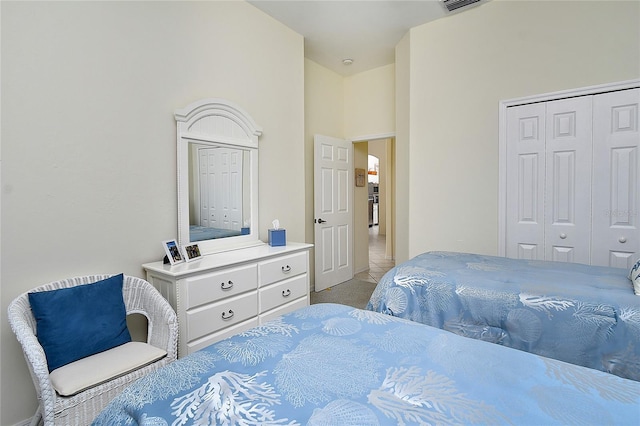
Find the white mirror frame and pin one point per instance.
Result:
(219, 122)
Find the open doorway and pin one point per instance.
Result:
(373, 248)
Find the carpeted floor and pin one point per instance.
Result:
(354, 293)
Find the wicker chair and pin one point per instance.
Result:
(80, 409)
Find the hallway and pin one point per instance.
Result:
(378, 265)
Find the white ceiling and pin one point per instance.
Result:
(366, 31)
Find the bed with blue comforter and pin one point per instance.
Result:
(585, 315)
(330, 364)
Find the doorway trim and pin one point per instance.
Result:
(377, 136)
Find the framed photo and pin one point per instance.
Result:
(191, 252)
(360, 177)
(173, 252)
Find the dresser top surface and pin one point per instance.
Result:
(223, 259)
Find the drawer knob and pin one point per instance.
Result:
(226, 286)
(286, 293)
(286, 269)
(622, 240)
(563, 235)
(227, 315)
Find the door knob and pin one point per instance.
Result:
(321, 220)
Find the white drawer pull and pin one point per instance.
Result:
(226, 286)
(286, 269)
(622, 240)
(286, 293)
(227, 315)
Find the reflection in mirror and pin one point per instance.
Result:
(219, 199)
(217, 153)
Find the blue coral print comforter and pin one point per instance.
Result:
(330, 364)
(585, 315)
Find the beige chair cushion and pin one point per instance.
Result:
(102, 367)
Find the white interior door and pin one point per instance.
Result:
(333, 211)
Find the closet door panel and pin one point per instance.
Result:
(235, 189)
(568, 180)
(223, 188)
(203, 196)
(525, 175)
(616, 190)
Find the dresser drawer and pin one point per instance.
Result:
(224, 333)
(284, 309)
(283, 292)
(211, 318)
(281, 268)
(218, 285)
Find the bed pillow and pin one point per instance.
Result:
(76, 322)
(634, 276)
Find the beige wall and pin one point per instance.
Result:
(459, 68)
(369, 103)
(88, 135)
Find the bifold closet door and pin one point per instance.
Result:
(568, 147)
(549, 157)
(616, 190)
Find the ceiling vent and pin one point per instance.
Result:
(458, 5)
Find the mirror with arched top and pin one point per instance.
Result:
(217, 151)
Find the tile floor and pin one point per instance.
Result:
(378, 265)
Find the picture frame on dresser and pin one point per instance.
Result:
(191, 252)
(172, 249)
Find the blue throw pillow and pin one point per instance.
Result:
(76, 322)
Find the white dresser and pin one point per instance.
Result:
(226, 293)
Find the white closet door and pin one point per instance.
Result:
(568, 180)
(616, 191)
(525, 181)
